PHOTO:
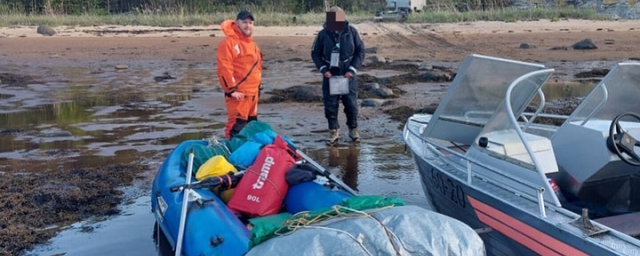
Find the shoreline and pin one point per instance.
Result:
(535, 41)
(365, 28)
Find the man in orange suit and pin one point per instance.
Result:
(239, 71)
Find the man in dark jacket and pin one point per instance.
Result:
(338, 52)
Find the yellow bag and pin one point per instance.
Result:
(225, 195)
(215, 166)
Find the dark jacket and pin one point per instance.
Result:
(351, 50)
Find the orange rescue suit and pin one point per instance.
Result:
(239, 69)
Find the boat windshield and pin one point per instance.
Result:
(617, 93)
(473, 96)
(482, 89)
(502, 131)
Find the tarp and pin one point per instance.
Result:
(402, 230)
(266, 227)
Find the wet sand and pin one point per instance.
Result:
(616, 40)
(89, 110)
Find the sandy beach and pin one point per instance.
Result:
(616, 40)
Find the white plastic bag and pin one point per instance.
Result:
(338, 85)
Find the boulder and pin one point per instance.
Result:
(585, 44)
(45, 31)
(384, 92)
(372, 103)
(371, 86)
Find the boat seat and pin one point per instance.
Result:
(625, 223)
(508, 143)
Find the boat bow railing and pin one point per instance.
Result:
(468, 163)
(538, 190)
(523, 81)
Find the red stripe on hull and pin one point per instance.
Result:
(516, 236)
(524, 234)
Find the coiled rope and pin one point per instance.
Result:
(307, 220)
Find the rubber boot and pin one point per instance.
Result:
(334, 135)
(354, 135)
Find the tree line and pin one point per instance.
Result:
(105, 7)
(181, 7)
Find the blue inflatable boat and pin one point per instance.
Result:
(210, 228)
(318, 215)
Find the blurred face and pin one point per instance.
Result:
(246, 26)
(336, 21)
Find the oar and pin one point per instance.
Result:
(211, 182)
(323, 171)
(185, 202)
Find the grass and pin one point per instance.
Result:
(287, 19)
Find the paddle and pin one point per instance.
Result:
(211, 182)
(322, 170)
(185, 202)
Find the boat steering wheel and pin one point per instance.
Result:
(621, 142)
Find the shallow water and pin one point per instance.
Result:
(129, 233)
(77, 117)
(372, 169)
(57, 118)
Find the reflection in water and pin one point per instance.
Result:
(348, 164)
(125, 234)
(350, 176)
(60, 113)
(103, 112)
(554, 91)
(384, 170)
(334, 156)
(162, 243)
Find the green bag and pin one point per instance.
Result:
(371, 202)
(247, 133)
(265, 227)
(202, 153)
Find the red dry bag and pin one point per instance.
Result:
(263, 186)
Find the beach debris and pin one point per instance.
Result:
(371, 50)
(425, 66)
(559, 48)
(596, 72)
(164, 76)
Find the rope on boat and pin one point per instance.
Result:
(213, 142)
(306, 220)
(359, 240)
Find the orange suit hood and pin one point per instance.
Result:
(239, 61)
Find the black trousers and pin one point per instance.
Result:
(349, 101)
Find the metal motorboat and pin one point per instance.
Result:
(534, 182)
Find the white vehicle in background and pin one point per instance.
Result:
(411, 5)
(392, 13)
(399, 10)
